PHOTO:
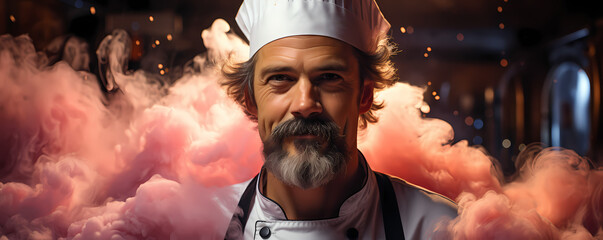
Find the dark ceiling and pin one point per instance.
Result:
(526, 22)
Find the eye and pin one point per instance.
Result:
(280, 77)
(329, 77)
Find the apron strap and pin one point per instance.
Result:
(389, 208)
(242, 213)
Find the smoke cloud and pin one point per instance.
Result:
(148, 160)
(145, 160)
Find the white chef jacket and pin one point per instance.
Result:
(420, 211)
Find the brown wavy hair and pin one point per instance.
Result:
(376, 66)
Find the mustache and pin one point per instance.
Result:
(320, 127)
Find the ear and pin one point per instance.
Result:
(366, 96)
(250, 106)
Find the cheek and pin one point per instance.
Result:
(271, 109)
(342, 107)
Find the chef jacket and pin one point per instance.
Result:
(360, 216)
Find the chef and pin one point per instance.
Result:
(309, 82)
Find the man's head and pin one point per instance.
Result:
(309, 93)
(312, 82)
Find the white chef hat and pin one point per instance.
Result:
(356, 22)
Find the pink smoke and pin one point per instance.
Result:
(137, 165)
(555, 194)
(154, 161)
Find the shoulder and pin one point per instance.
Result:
(416, 194)
(240, 188)
(234, 229)
(421, 210)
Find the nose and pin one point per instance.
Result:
(306, 102)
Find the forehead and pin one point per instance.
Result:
(306, 50)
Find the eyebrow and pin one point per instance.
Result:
(274, 69)
(332, 66)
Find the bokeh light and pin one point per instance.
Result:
(506, 143)
(478, 124)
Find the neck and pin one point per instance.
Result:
(317, 203)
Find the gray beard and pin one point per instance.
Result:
(309, 167)
(306, 170)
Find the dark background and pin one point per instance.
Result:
(490, 72)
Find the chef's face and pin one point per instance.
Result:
(308, 82)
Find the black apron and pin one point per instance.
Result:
(387, 195)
